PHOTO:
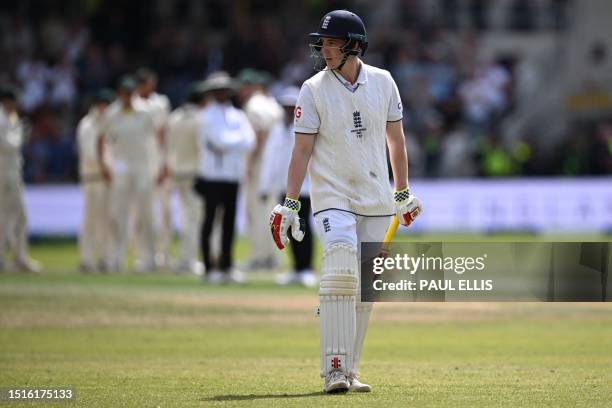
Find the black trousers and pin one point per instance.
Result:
(218, 195)
(302, 251)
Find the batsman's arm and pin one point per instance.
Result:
(302, 150)
(407, 206)
(397, 154)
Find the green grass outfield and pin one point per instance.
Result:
(166, 340)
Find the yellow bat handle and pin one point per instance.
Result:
(391, 231)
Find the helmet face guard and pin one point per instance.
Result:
(342, 25)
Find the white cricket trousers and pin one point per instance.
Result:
(13, 219)
(94, 235)
(343, 227)
(257, 212)
(162, 220)
(132, 193)
(191, 219)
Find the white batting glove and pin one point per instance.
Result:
(283, 217)
(407, 207)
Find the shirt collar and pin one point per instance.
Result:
(362, 78)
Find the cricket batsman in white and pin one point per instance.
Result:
(346, 116)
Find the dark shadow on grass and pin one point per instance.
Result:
(251, 397)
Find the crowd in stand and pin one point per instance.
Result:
(61, 53)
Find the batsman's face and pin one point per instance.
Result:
(330, 50)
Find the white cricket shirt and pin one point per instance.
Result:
(263, 112)
(88, 131)
(130, 136)
(11, 139)
(225, 137)
(182, 140)
(348, 167)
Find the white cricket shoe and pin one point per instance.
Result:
(305, 278)
(215, 277)
(308, 278)
(28, 265)
(336, 382)
(357, 386)
(236, 276)
(287, 278)
(197, 268)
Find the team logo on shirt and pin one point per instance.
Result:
(358, 125)
(298, 112)
(326, 225)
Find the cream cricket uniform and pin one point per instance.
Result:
(276, 157)
(129, 136)
(182, 140)
(263, 113)
(350, 194)
(93, 237)
(13, 219)
(158, 106)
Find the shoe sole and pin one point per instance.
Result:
(338, 388)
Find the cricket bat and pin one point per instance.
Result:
(389, 235)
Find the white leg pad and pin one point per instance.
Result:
(337, 293)
(362, 312)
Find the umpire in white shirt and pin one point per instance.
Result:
(225, 138)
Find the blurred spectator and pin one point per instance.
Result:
(33, 75)
(457, 159)
(62, 83)
(483, 95)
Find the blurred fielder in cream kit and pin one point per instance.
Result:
(13, 218)
(93, 237)
(183, 159)
(273, 183)
(263, 113)
(158, 106)
(346, 116)
(129, 132)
